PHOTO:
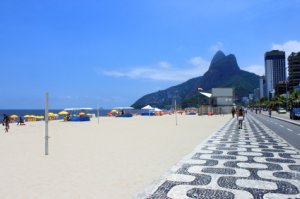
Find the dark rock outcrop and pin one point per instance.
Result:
(223, 72)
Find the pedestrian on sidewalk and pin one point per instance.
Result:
(233, 112)
(240, 117)
(270, 112)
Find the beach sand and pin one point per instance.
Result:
(117, 158)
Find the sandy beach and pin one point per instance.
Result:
(117, 158)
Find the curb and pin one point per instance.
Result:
(282, 119)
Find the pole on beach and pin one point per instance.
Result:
(98, 113)
(46, 124)
(175, 112)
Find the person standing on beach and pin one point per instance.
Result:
(21, 121)
(6, 122)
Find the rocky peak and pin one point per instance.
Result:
(221, 62)
(219, 55)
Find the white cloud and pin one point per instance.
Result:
(288, 47)
(216, 47)
(164, 71)
(201, 65)
(164, 64)
(256, 68)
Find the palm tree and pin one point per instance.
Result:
(294, 98)
(263, 102)
(295, 95)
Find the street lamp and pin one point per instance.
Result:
(286, 94)
(199, 89)
(286, 88)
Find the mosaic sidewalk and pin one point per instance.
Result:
(252, 162)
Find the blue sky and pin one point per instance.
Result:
(111, 53)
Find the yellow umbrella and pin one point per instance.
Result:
(31, 118)
(114, 111)
(50, 114)
(26, 116)
(14, 116)
(63, 113)
(81, 113)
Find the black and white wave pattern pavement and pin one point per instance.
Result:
(252, 162)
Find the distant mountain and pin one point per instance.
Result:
(223, 72)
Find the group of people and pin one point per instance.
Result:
(240, 115)
(7, 120)
(258, 110)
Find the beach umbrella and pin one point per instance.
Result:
(148, 107)
(114, 111)
(39, 117)
(50, 114)
(81, 113)
(28, 116)
(63, 113)
(124, 108)
(14, 116)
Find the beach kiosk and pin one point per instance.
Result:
(78, 114)
(149, 111)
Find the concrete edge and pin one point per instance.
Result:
(282, 119)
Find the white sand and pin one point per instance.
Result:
(118, 158)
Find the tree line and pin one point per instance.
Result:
(279, 101)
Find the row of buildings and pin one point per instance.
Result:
(275, 81)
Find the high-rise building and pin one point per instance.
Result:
(274, 70)
(281, 88)
(262, 86)
(294, 70)
(256, 95)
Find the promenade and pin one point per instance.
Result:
(249, 163)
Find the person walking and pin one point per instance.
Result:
(240, 117)
(6, 122)
(270, 112)
(233, 112)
